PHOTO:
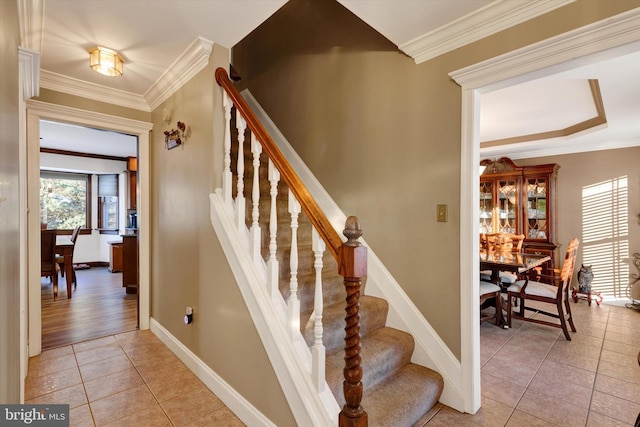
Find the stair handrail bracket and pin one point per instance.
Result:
(350, 256)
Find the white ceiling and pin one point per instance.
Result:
(155, 36)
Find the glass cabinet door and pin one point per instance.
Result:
(536, 225)
(507, 221)
(486, 207)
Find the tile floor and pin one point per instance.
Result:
(532, 376)
(129, 379)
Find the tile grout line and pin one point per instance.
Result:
(146, 384)
(534, 375)
(84, 388)
(595, 377)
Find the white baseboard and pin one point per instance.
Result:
(247, 413)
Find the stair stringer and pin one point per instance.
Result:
(430, 350)
(290, 359)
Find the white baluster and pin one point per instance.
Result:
(318, 351)
(293, 304)
(256, 149)
(226, 172)
(240, 202)
(274, 178)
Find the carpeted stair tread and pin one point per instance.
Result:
(403, 398)
(396, 392)
(384, 352)
(373, 316)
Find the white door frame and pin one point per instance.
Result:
(37, 110)
(604, 39)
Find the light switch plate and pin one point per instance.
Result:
(442, 213)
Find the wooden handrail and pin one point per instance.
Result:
(350, 255)
(308, 204)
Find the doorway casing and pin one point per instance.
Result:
(37, 110)
(608, 38)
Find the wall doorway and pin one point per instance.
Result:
(87, 181)
(36, 111)
(604, 39)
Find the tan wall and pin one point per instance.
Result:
(188, 265)
(9, 207)
(381, 133)
(582, 170)
(53, 97)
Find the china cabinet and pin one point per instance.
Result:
(520, 200)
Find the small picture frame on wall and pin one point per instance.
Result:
(172, 139)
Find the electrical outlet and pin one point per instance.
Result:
(442, 213)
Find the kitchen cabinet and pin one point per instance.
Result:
(130, 262)
(115, 256)
(132, 169)
(521, 200)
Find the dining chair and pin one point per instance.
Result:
(501, 242)
(48, 265)
(556, 293)
(490, 293)
(60, 258)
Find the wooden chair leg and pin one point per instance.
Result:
(563, 321)
(509, 298)
(55, 287)
(570, 316)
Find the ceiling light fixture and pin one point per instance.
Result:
(105, 61)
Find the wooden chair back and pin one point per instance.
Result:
(501, 242)
(74, 234)
(568, 265)
(48, 253)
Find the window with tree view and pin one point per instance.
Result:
(64, 200)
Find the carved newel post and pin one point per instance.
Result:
(353, 267)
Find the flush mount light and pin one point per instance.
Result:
(105, 61)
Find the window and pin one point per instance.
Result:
(108, 203)
(605, 234)
(64, 200)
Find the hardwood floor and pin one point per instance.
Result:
(99, 307)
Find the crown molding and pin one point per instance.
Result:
(30, 61)
(192, 61)
(493, 18)
(31, 17)
(617, 33)
(96, 92)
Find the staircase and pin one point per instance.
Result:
(393, 390)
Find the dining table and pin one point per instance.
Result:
(64, 247)
(516, 262)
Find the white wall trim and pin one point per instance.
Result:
(491, 19)
(227, 394)
(610, 37)
(607, 38)
(430, 350)
(93, 91)
(31, 17)
(37, 110)
(30, 71)
(191, 61)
